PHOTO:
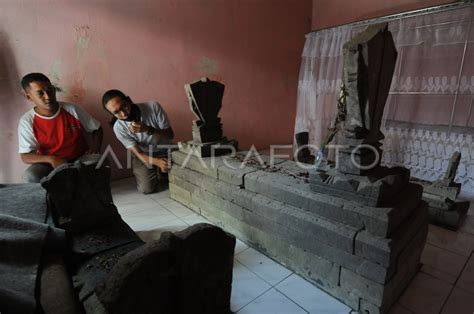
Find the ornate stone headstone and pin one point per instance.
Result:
(205, 101)
(444, 208)
(369, 63)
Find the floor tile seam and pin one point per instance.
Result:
(141, 213)
(449, 251)
(446, 300)
(441, 271)
(279, 282)
(139, 210)
(166, 209)
(258, 274)
(242, 265)
(462, 270)
(464, 290)
(170, 221)
(258, 296)
(153, 226)
(316, 287)
(293, 301)
(235, 255)
(437, 277)
(404, 307)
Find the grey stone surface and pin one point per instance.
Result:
(449, 218)
(444, 208)
(407, 266)
(319, 271)
(218, 148)
(233, 169)
(205, 255)
(111, 234)
(176, 192)
(363, 255)
(332, 233)
(230, 168)
(81, 195)
(293, 190)
(384, 251)
(299, 238)
(205, 165)
(189, 271)
(369, 62)
(377, 188)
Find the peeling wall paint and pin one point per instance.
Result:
(150, 49)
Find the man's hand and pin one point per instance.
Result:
(138, 127)
(163, 163)
(56, 161)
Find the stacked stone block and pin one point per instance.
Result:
(364, 256)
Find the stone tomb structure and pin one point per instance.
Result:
(355, 232)
(205, 101)
(444, 208)
(112, 269)
(363, 255)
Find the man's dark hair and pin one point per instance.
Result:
(108, 95)
(33, 77)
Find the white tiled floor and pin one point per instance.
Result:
(445, 283)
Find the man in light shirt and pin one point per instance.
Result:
(144, 129)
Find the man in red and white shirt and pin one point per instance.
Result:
(52, 133)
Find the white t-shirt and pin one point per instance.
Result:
(151, 115)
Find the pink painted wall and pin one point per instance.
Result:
(328, 13)
(150, 49)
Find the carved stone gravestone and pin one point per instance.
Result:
(369, 62)
(444, 208)
(205, 101)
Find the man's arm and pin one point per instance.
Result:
(161, 133)
(160, 162)
(34, 158)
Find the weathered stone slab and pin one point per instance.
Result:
(112, 234)
(299, 238)
(329, 232)
(176, 192)
(384, 251)
(380, 294)
(229, 168)
(286, 186)
(321, 272)
(77, 212)
(204, 165)
(205, 262)
(235, 168)
(376, 189)
(375, 249)
(189, 271)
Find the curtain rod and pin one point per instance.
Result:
(438, 8)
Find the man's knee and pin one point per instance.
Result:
(146, 187)
(35, 172)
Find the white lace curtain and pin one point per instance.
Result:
(431, 96)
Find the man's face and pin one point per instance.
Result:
(119, 107)
(43, 95)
